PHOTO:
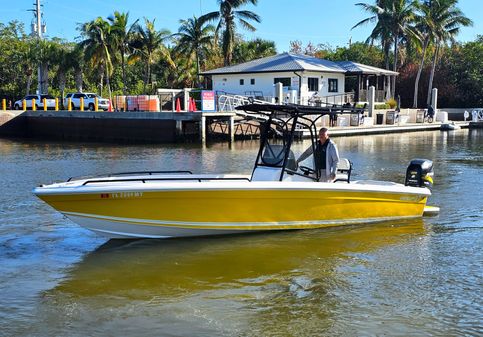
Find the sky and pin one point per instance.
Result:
(317, 21)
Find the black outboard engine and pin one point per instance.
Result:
(420, 173)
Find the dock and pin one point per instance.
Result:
(132, 126)
(163, 127)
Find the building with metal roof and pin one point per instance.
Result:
(308, 76)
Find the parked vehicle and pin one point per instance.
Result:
(39, 102)
(89, 101)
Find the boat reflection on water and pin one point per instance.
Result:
(145, 268)
(251, 284)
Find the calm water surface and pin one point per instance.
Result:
(419, 277)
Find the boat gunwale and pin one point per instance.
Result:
(232, 185)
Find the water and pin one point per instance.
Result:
(419, 277)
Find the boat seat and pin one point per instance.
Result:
(344, 170)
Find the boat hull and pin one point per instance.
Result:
(164, 213)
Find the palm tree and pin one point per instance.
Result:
(65, 63)
(97, 48)
(381, 30)
(446, 20)
(424, 36)
(195, 40)
(121, 36)
(28, 54)
(46, 53)
(78, 63)
(393, 18)
(255, 49)
(227, 16)
(147, 42)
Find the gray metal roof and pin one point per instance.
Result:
(358, 68)
(281, 62)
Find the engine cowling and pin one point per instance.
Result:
(420, 173)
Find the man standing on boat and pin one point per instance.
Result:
(326, 156)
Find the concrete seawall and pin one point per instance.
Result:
(156, 127)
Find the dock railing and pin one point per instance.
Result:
(228, 102)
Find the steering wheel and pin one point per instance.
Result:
(306, 170)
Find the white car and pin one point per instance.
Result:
(39, 102)
(89, 101)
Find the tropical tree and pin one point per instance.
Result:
(77, 58)
(64, 63)
(29, 56)
(121, 34)
(147, 42)
(393, 18)
(445, 22)
(97, 49)
(424, 36)
(195, 41)
(46, 53)
(250, 50)
(227, 16)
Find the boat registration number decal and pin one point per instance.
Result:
(121, 195)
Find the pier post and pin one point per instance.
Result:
(203, 129)
(173, 103)
(186, 99)
(278, 93)
(434, 99)
(232, 129)
(371, 98)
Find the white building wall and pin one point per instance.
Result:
(230, 83)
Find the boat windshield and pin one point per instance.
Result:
(281, 124)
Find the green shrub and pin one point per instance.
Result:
(382, 106)
(392, 103)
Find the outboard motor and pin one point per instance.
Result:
(420, 173)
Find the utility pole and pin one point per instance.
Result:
(37, 29)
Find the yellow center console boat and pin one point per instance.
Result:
(278, 195)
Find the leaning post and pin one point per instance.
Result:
(371, 98)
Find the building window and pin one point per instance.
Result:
(333, 85)
(252, 81)
(286, 81)
(242, 81)
(313, 84)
